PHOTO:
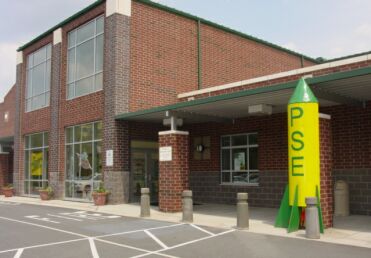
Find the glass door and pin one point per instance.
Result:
(144, 170)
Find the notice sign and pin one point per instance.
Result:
(109, 158)
(166, 153)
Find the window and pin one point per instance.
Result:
(239, 158)
(85, 59)
(38, 78)
(36, 163)
(83, 160)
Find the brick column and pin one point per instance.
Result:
(116, 80)
(326, 169)
(174, 173)
(18, 141)
(54, 159)
(4, 170)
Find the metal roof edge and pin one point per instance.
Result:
(346, 57)
(266, 89)
(62, 23)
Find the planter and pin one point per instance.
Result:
(45, 195)
(8, 192)
(100, 198)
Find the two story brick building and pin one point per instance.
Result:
(137, 94)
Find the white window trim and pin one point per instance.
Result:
(230, 171)
(74, 46)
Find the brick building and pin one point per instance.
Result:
(7, 114)
(100, 93)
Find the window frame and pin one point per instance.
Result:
(248, 146)
(29, 82)
(74, 46)
(80, 143)
(45, 170)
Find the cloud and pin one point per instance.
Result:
(8, 67)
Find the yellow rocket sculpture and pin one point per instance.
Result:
(304, 166)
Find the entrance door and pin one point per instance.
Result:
(144, 169)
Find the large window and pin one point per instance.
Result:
(36, 163)
(38, 78)
(85, 59)
(239, 159)
(83, 160)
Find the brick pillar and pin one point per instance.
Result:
(4, 170)
(326, 169)
(55, 180)
(174, 173)
(116, 80)
(18, 141)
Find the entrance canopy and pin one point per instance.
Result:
(350, 88)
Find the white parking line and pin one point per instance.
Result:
(158, 252)
(93, 248)
(201, 229)
(36, 217)
(64, 217)
(158, 241)
(18, 253)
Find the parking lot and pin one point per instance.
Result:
(42, 231)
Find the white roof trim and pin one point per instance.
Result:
(277, 76)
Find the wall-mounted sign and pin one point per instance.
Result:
(109, 158)
(166, 153)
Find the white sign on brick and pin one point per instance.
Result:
(166, 153)
(109, 158)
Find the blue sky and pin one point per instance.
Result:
(327, 28)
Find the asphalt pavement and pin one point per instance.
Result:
(42, 231)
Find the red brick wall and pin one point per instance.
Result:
(272, 140)
(351, 127)
(7, 128)
(326, 161)
(174, 175)
(4, 170)
(164, 59)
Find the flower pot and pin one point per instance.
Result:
(8, 192)
(45, 195)
(100, 198)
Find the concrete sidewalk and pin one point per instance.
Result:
(352, 230)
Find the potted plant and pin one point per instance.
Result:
(46, 193)
(100, 195)
(8, 190)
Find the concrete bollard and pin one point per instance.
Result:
(312, 230)
(242, 211)
(187, 206)
(144, 202)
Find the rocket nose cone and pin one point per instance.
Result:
(303, 93)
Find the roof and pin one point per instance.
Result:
(348, 87)
(174, 11)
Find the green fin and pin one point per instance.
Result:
(303, 93)
(295, 214)
(321, 227)
(283, 216)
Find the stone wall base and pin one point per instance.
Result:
(117, 183)
(359, 181)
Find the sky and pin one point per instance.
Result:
(317, 28)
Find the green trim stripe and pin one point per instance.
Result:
(272, 88)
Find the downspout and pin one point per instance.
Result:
(199, 55)
(302, 61)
